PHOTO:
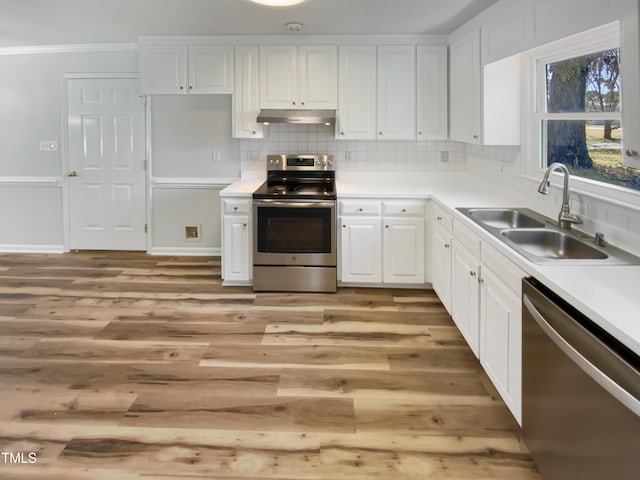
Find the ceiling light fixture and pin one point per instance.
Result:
(278, 3)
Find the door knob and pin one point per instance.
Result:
(72, 174)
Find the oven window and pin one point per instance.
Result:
(294, 230)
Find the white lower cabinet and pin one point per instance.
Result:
(236, 241)
(501, 328)
(465, 294)
(382, 241)
(403, 250)
(441, 264)
(481, 289)
(361, 248)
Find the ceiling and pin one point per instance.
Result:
(59, 22)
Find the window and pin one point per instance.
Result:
(578, 109)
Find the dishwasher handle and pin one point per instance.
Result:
(616, 390)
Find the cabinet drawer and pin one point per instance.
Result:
(403, 208)
(465, 236)
(363, 207)
(510, 274)
(442, 217)
(238, 205)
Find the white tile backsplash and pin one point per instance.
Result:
(353, 155)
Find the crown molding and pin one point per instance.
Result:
(71, 48)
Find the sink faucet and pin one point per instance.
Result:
(565, 218)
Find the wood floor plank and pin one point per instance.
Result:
(123, 365)
(472, 418)
(285, 356)
(210, 332)
(176, 408)
(113, 351)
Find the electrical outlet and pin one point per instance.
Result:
(215, 156)
(192, 233)
(347, 156)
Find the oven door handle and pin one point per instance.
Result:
(293, 204)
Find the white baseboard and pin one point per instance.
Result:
(9, 248)
(186, 251)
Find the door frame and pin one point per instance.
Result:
(64, 179)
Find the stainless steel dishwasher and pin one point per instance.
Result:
(580, 393)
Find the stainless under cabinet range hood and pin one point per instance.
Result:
(305, 117)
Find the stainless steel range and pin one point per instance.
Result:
(294, 225)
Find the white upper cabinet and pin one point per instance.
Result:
(396, 92)
(210, 69)
(163, 68)
(179, 69)
(246, 100)
(432, 92)
(356, 92)
(293, 77)
(465, 89)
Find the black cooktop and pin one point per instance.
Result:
(298, 185)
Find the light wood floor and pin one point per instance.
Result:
(128, 366)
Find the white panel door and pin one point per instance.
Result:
(163, 69)
(465, 295)
(278, 76)
(465, 89)
(432, 92)
(403, 250)
(441, 264)
(318, 76)
(361, 250)
(210, 69)
(246, 100)
(500, 339)
(237, 252)
(397, 92)
(106, 144)
(357, 92)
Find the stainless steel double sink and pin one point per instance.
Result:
(542, 241)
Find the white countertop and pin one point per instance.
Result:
(608, 295)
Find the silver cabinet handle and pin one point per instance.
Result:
(630, 153)
(72, 174)
(472, 273)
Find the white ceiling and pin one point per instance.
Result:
(51, 22)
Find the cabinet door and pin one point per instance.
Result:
(357, 93)
(432, 92)
(163, 69)
(210, 69)
(361, 249)
(396, 92)
(465, 295)
(403, 250)
(441, 264)
(465, 88)
(246, 102)
(318, 77)
(500, 339)
(278, 76)
(236, 248)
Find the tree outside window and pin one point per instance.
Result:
(581, 126)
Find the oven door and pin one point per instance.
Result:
(294, 232)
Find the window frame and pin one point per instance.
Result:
(592, 41)
(595, 40)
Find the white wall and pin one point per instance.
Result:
(31, 105)
(192, 158)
